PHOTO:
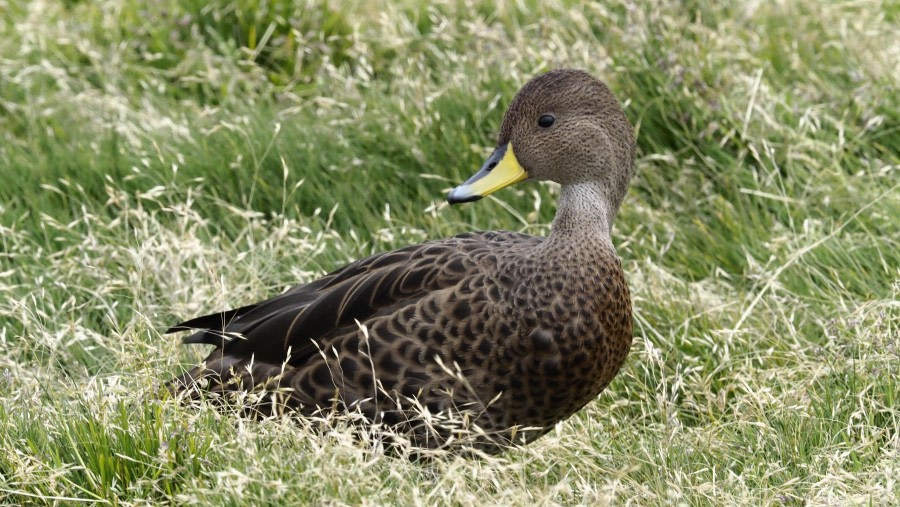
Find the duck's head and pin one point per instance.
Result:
(563, 126)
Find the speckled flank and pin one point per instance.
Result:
(509, 329)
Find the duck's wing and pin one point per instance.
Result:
(377, 285)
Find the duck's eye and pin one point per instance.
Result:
(546, 121)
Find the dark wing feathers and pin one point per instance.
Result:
(359, 290)
(217, 327)
(212, 321)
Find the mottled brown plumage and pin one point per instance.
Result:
(512, 332)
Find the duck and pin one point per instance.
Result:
(485, 339)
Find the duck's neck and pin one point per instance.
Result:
(584, 216)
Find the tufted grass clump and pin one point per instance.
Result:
(164, 159)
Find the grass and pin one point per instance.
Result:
(159, 161)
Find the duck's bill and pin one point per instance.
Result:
(501, 170)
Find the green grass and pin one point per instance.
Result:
(160, 161)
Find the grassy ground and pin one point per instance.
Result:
(163, 159)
